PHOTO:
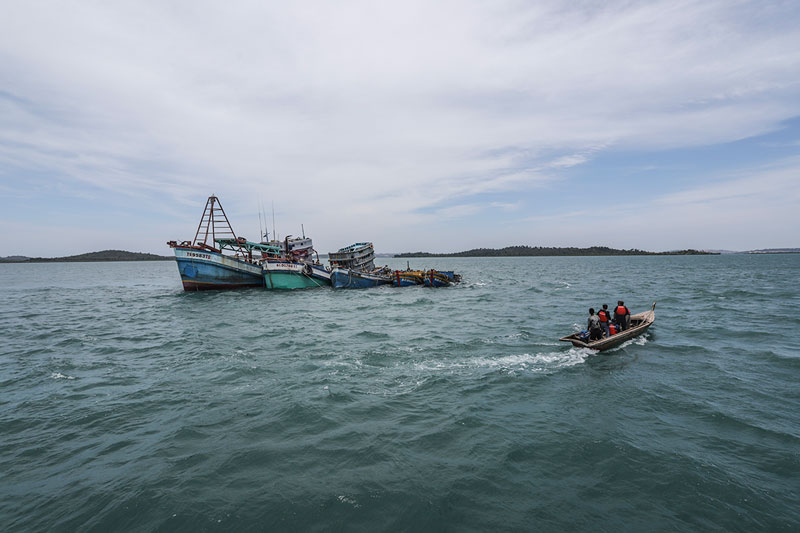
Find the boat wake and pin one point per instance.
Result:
(641, 340)
(541, 362)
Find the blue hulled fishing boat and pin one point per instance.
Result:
(202, 264)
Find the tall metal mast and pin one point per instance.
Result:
(214, 223)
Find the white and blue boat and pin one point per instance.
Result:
(204, 269)
(202, 264)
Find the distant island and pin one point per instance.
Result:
(776, 251)
(533, 251)
(762, 251)
(105, 255)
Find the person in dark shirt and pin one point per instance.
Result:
(595, 331)
(622, 316)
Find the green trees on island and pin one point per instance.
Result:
(105, 255)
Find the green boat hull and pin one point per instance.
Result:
(283, 274)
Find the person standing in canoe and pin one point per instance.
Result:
(622, 316)
(595, 331)
(605, 317)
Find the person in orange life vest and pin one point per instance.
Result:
(595, 331)
(622, 316)
(605, 317)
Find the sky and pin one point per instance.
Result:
(419, 126)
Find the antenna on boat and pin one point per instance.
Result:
(304, 230)
(265, 232)
(260, 227)
(274, 231)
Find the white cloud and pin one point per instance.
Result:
(756, 207)
(360, 112)
(569, 161)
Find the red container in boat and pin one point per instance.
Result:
(612, 329)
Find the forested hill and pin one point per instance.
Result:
(528, 251)
(105, 255)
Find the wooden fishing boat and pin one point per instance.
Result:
(440, 278)
(639, 324)
(407, 278)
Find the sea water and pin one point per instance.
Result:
(129, 404)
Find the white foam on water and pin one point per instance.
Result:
(59, 375)
(342, 362)
(526, 362)
(641, 340)
(348, 500)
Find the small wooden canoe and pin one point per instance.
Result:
(639, 324)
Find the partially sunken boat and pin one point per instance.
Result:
(202, 264)
(639, 324)
(440, 278)
(353, 267)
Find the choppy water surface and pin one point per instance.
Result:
(129, 404)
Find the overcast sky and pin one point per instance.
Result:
(434, 126)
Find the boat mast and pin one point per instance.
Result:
(213, 221)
